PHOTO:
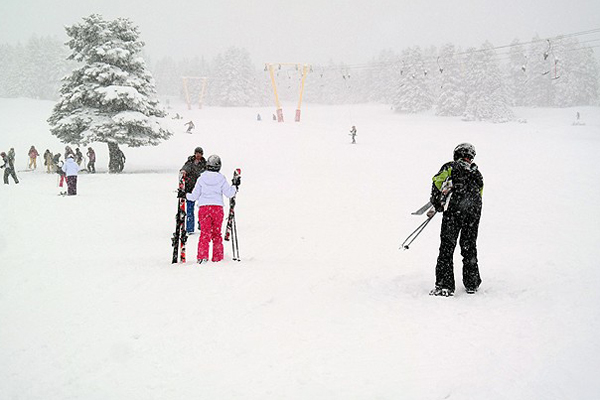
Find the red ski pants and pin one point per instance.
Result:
(211, 220)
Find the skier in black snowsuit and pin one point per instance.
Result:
(191, 170)
(457, 192)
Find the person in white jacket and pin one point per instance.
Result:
(208, 192)
(70, 168)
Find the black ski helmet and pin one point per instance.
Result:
(213, 163)
(199, 150)
(464, 150)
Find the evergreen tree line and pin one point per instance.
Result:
(33, 70)
(474, 83)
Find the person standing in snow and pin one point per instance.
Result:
(91, 154)
(353, 134)
(70, 168)
(48, 161)
(457, 192)
(190, 126)
(11, 155)
(78, 156)
(191, 170)
(209, 190)
(9, 168)
(68, 150)
(33, 155)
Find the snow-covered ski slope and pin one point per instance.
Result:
(324, 305)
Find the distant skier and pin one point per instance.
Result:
(78, 156)
(190, 126)
(48, 161)
(274, 117)
(33, 155)
(461, 206)
(209, 190)
(71, 168)
(91, 155)
(11, 155)
(9, 168)
(578, 115)
(258, 118)
(69, 150)
(353, 134)
(191, 170)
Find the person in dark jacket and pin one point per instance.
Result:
(9, 168)
(191, 170)
(457, 192)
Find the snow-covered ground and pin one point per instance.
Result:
(324, 305)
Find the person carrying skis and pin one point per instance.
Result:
(353, 134)
(9, 168)
(209, 190)
(33, 155)
(91, 154)
(70, 169)
(191, 170)
(457, 192)
(190, 126)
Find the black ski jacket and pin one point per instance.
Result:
(466, 187)
(193, 171)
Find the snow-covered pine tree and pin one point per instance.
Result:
(111, 97)
(412, 90)
(575, 74)
(452, 99)
(487, 100)
(233, 83)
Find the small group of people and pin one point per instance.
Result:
(54, 164)
(205, 185)
(8, 165)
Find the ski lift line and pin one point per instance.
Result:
(458, 61)
(554, 38)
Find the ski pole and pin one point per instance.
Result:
(416, 233)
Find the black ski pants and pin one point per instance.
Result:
(467, 225)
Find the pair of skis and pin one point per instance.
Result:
(231, 229)
(446, 191)
(180, 236)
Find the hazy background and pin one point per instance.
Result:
(312, 31)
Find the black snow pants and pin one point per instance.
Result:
(467, 225)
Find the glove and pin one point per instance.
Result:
(180, 194)
(236, 181)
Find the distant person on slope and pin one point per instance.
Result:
(9, 168)
(91, 167)
(48, 161)
(353, 134)
(457, 192)
(33, 155)
(190, 126)
(209, 190)
(191, 170)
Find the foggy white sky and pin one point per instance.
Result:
(307, 31)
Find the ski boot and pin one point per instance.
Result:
(438, 291)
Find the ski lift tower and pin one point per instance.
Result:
(186, 89)
(305, 68)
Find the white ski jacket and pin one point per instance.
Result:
(70, 167)
(210, 188)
